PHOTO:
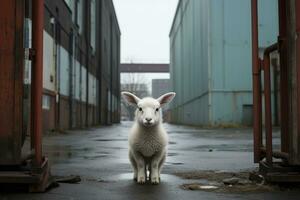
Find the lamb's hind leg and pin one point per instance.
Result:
(134, 166)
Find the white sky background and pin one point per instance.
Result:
(143, 78)
(145, 27)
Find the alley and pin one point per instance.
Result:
(99, 157)
(234, 67)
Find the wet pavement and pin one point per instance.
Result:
(100, 157)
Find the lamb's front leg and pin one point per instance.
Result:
(133, 164)
(155, 165)
(141, 173)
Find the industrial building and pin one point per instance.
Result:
(81, 63)
(138, 79)
(59, 70)
(210, 64)
(160, 87)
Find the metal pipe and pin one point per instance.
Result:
(276, 154)
(275, 81)
(37, 77)
(268, 110)
(297, 10)
(256, 84)
(284, 106)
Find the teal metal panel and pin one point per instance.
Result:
(211, 58)
(189, 60)
(268, 22)
(231, 55)
(230, 111)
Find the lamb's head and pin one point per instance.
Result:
(148, 112)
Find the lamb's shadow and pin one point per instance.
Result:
(148, 190)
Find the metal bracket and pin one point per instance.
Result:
(261, 64)
(29, 54)
(281, 40)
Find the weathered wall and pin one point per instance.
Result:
(189, 60)
(75, 73)
(110, 67)
(211, 59)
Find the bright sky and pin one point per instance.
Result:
(145, 27)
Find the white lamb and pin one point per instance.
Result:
(148, 139)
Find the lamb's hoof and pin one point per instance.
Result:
(155, 180)
(141, 180)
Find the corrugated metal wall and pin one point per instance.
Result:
(110, 69)
(211, 59)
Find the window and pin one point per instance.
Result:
(69, 3)
(27, 45)
(46, 102)
(79, 20)
(93, 24)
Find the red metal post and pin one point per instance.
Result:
(283, 76)
(268, 110)
(256, 84)
(11, 80)
(297, 10)
(37, 76)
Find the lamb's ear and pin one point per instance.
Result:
(130, 98)
(166, 98)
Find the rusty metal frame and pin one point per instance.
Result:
(283, 171)
(32, 170)
(267, 95)
(11, 81)
(260, 151)
(37, 77)
(283, 75)
(40, 164)
(257, 108)
(297, 8)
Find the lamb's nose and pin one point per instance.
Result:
(148, 119)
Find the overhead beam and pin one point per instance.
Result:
(144, 68)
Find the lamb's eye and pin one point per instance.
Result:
(140, 109)
(157, 109)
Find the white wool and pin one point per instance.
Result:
(148, 140)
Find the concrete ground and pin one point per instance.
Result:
(99, 157)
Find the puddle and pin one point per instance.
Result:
(172, 154)
(211, 175)
(228, 188)
(64, 154)
(84, 149)
(57, 154)
(110, 140)
(174, 163)
(129, 177)
(95, 156)
(224, 147)
(199, 186)
(226, 182)
(172, 142)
